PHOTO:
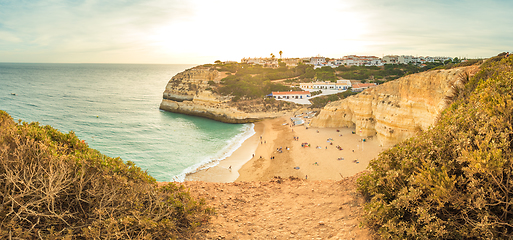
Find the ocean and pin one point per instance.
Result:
(115, 109)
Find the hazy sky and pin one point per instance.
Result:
(202, 31)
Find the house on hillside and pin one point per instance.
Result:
(391, 59)
(265, 62)
(317, 60)
(339, 85)
(354, 60)
(291, 95)
(343, 84)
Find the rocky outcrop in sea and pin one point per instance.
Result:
(190, 92)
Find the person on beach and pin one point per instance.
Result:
(230, 168)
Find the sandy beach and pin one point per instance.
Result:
(306, 153)
(257, 199)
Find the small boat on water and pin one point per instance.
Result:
(14, 94)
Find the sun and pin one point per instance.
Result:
(231, 30)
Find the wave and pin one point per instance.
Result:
(232, 145)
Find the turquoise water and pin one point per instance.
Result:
(115, 109)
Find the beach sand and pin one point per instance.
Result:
(313, 163)
(252, 204)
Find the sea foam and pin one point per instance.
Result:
(232, 145)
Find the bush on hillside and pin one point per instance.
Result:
(321, 101)
(54, 186)
(454, 181)
(325, 74)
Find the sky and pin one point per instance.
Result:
(203, 31)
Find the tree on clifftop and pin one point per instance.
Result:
(281, 52)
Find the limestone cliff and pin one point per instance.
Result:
(190, 92)
(395, 110)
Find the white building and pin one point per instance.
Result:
(343, 84)
(266, 62)
(354, 60)
(442, 59)
(317, 60)
(291, 95)
(409, 59)
(391, 59)
(340, 85)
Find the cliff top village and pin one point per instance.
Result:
(350, 60)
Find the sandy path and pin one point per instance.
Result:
(282, 209)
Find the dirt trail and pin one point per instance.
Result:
(282, 209)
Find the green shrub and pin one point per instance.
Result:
(455, 180)
(315, 93)
(53, 186)
(321, 101)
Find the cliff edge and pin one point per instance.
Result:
(192, 92)
(396, 110)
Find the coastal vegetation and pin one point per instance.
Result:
(390, 72)
(53, 186)
(321, 101)
(248, 82)
(455, 180)
(253, 81)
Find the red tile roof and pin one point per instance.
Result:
(362, 85)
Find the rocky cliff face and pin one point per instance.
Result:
(189, 93)
(395, 110)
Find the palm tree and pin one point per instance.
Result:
(281, 52)
(272, 56)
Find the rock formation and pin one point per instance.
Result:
(395, 110)
(190, 92)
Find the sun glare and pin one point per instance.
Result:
(239, 29)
